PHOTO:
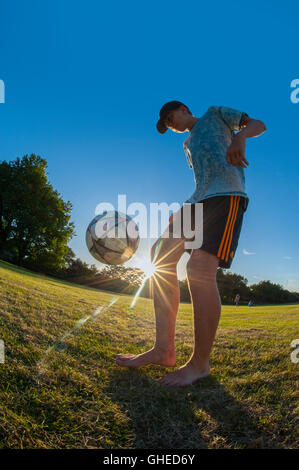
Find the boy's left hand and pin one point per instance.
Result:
(235, 154)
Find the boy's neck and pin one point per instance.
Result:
(193, 122)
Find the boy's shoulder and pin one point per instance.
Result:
(212, 111)
(213, 108)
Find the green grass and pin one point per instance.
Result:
(75, 396)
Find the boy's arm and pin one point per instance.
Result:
(235, 154)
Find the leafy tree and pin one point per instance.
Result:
(120, 279)
(230, 284)
(79, 271)
(268, 292)
(35, 222)
(68, 258)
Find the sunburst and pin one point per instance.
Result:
(149, 270)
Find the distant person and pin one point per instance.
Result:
(215, 150)
(250, 303)
(237, 298)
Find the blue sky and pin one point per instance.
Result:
(84, 85)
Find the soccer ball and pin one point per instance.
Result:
(112, 237)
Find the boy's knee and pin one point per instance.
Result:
(202, 266)
(164, 253)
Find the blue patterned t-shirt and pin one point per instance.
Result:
(205, 149)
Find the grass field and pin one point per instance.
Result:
(75, 395)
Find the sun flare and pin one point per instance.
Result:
(147, 267)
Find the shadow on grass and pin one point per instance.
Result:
(202, 415)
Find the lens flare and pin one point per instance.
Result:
(148, 269)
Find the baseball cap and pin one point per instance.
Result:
(166, 108)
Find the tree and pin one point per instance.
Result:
(68, 258)
(118, 278)
(35, 222)
(230, 284)
(79, 271)
(267, 292)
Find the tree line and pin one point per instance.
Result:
(35, 229)
(127, 281)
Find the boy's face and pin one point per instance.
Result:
(178, 119)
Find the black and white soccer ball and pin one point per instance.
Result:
(112, 237)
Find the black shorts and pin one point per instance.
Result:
(222, 222)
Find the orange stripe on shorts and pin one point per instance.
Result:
(231, 230)
(234, 203)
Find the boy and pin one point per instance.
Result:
(217, 156)
(237, 299)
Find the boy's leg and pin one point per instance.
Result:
(166, 252)
(222, 223)
(201, 273)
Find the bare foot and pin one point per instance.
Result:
(185, 375)
(153, 356)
